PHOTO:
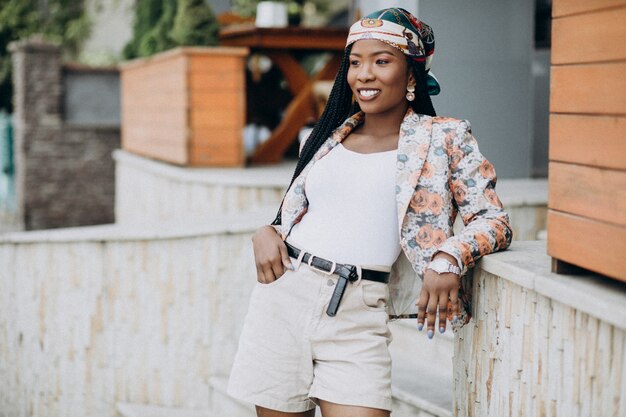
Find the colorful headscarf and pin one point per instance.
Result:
(402, 30)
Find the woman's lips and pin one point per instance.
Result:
(366, 94)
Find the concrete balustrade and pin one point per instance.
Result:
(93, 316)
(153, 191)
(149, 191)
(541, 344)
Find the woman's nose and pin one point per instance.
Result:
(365, 73)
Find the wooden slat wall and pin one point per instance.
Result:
(218, 112)
(590, 192)
(567, 7)
(186, 106)
(575, 139)
(154, 109)
(587, 174)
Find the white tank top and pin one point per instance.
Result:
(351, 216)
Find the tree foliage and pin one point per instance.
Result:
(163, 24)
(62, 21)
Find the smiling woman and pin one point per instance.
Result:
(378, 185)
(378, 76)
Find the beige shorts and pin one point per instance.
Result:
(292, 354)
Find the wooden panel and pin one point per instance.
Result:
(207, 64)
(226, 117)
(154, 103)
(217, 81)
(219, 100)
(175, 154)
(594, 89)
(588, 140)
(566, 7)
(593, 245)
(228, 153)
(167, 97)
(589, 37)
(185, 51)
(594, 193)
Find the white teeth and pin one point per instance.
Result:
(369, 93)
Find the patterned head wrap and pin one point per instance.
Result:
(402, 30)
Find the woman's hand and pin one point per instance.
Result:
(270, 255)
(437, 290)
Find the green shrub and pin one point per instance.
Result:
(61, 21)
(164, 24)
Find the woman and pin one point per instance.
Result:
(378, 183)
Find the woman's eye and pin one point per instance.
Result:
(382, 61)
(354, 63)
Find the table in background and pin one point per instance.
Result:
(279, 44)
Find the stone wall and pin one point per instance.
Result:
(541, 344)
(153, 191)
(64, 173)
(94, 316)
(149, 191)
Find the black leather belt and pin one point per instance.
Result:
(346, 273)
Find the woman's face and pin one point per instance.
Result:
(378, 76)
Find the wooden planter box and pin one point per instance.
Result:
(186, 106)
(587, 174)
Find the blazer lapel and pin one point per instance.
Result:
(413, 144)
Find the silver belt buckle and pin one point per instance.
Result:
(332, 269)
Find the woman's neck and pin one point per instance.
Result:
(382, 124)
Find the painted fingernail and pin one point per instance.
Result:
(430, 334)
(442, 329)
(455, 320)
(420, 326)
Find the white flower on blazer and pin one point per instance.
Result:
(439, 172)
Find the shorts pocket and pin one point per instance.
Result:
(279, 281)
(374, 295)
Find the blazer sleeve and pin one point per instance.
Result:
(472, 183)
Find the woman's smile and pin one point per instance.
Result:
(368, 93)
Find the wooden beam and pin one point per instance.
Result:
(589, 89)
(590, 244)
(590, 37)
(588, 140)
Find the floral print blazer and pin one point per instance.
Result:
(439, 173)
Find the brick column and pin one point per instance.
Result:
(64, 174)
(37, 84)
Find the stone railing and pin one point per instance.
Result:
(541, 344)
(100, 316)
(94, 316)
(152, 191)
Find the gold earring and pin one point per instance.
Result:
(410, 94)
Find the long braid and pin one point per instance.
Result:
(340, 106)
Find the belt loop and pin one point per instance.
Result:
(299, 259)
(359, 273)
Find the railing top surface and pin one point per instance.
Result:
(239, 223)
(527, 264)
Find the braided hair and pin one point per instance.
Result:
(340, 106)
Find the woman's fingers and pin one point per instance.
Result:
(286, 260)
(454, 305)
(277, 268)
(421, 309)
(260, 275)
(443, 311)
(431, 315)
